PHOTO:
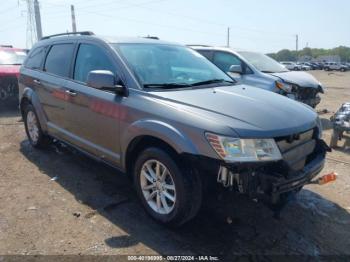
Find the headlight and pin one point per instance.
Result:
(284, 86)
(244, 150)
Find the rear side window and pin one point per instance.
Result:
(89, 58)
(36, 58)
(208, 54)
(58, 60)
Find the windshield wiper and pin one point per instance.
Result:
(213, 81)
(166, 85)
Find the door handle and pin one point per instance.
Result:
(36, 81)
(71, 93)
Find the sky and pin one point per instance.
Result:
(256, 25)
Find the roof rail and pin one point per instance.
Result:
(151, 37)
(199, 45)
(8, 46)
(70, 33)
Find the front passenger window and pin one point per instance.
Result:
(225, 60)
(89, 58)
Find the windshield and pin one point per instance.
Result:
(263, 63)
(11, 57)
(170, 66)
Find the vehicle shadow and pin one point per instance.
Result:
(9, 110)
(225, 227)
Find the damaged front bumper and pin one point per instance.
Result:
(306, 95)
(303, 177)
(271, 182)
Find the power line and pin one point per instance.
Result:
(8, 9)
(150, 23)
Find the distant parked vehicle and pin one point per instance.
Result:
(329, 66)
(290, 65)
(320, 65)
(10, 62)
(315, 66)
(261, 71)
(347, 65)
(304, 67)
(312, 66)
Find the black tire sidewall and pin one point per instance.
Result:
(182, 185)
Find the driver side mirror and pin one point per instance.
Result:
(105, 80)
(236, 69)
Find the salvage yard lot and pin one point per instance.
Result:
(58, 201)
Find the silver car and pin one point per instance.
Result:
(261, 71)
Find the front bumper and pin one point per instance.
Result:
(306, 95)
(274, 182)
(303, 177)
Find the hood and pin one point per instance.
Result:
(248, 111)
(301, 79)
(9, 70)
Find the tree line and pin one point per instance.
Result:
(289, 55)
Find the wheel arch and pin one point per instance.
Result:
(153, 133)
(30, 97)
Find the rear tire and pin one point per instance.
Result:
(170, 193)
(33, 129)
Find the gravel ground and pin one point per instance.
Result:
(58, 201)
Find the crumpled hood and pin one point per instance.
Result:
(249, 111)
(9, 70)
(302, 79)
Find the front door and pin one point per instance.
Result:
(93, 114)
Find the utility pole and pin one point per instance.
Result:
(39, 31)
(228, 37)
(31, 29)
(74, 25)
(296, 42)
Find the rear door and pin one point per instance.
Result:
(52, 93)
(93, 114)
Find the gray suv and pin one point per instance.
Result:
(170, 119)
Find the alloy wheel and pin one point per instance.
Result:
(33, 129)
(158, 187)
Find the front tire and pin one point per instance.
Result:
(170, 194)
(33, 129)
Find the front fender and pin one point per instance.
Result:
(158, 129)
(32, 97)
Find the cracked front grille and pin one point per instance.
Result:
(296, 148)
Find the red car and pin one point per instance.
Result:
(10, 61)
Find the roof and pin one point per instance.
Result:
(90, 35)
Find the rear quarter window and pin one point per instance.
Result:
(36, 58)
(59, 59)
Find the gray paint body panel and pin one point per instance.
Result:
(178, 117)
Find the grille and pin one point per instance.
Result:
(305, 93)
(296, 148)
